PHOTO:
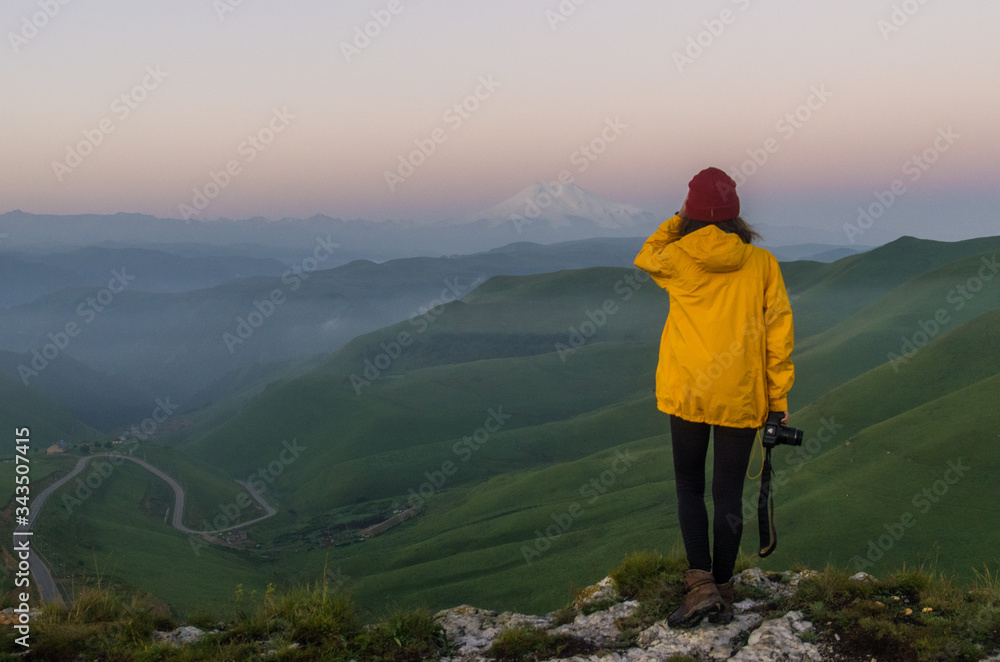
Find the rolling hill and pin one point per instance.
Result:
(535, 464)
(135, 346)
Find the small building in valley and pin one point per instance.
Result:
(58, 447)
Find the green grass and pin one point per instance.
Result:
(875, 487)
(864, 340)
(304, 623)
(959, 358)
(208, 491)
(527, 644)
(109, 622)
(826, 294)
(119, 534)
(906, 614)
(42, 466)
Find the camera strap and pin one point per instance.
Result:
(765, 509)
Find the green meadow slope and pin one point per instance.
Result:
(917, 488)
(898, 323)
(373, 435)
(825, 294)
(537, 466)
(48, 420)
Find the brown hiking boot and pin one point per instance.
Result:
(724, 617)
(702, 599)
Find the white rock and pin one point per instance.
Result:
(600, 627)
(706, 641)
(472, 630)
(602, 590)
(776, 641)
(862, 577)
(778, 589)
(187, 634)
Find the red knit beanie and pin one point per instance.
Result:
(712, 197)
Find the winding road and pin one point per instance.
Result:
(47, 587)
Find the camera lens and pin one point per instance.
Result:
(790, 436)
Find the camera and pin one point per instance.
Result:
(775, 433)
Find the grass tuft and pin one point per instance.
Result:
(642, 575)
(529, 644)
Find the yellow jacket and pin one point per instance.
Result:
(726, 347)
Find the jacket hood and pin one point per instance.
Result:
(715, 250)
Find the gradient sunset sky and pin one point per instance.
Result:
(886, 79)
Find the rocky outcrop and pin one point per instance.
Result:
(187, 634)
(749, 638)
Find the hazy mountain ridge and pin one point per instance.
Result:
(150, 344)
(30, 276)
(540, 213)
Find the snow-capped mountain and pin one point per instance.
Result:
(565, 206)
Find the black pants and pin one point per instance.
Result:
(732, 449)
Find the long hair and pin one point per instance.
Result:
(736, 226)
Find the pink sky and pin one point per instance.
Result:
(879, 95)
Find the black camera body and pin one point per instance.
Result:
(775, 433)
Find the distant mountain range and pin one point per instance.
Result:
(540, 213)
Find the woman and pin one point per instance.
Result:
(724, 362)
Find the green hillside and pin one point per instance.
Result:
(914, 313)
(48, 420)
(478, 416)
(119, 535)
(958, 359)
(826, 294)
(372, 433)
(917, 488)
